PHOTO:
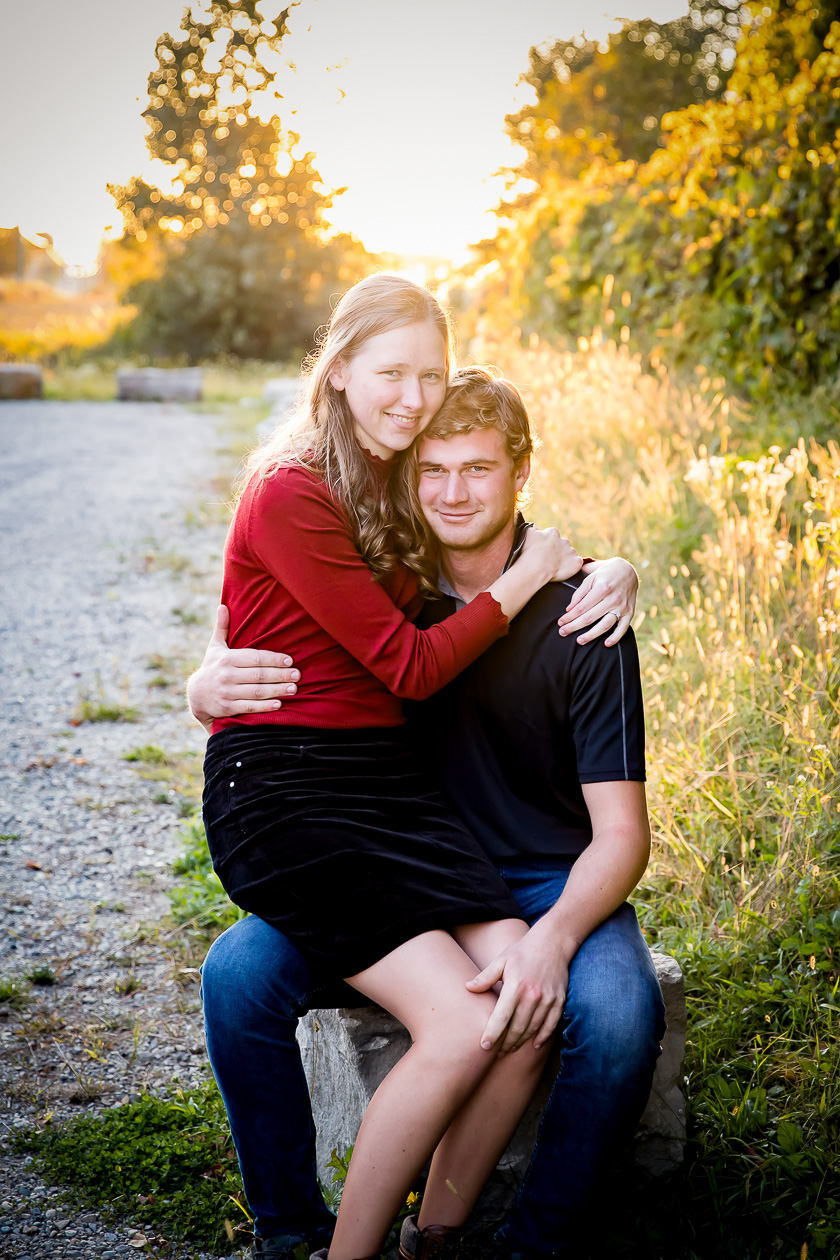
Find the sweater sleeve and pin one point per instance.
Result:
(300, 535)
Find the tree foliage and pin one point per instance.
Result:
(248, 263)
(726, 238)
(607, 99)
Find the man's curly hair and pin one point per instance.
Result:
(479, 397)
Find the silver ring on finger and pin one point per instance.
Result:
(614, 613)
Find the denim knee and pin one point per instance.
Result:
(617, 1019)
(253, 970)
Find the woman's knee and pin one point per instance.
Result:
(453, 1029)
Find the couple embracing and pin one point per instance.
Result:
(466, 869)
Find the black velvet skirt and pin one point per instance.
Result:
(337, 838)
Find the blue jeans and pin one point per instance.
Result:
(256, 985)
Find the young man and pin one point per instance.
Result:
(540, 747)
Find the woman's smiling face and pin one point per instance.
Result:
(394, 384)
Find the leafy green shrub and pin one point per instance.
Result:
(723, 242)
(164, 1163)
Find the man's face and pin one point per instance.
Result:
(468, 486)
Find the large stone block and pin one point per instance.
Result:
(159, 385)
(661, 1136)
(347, 1052)
(21, 380)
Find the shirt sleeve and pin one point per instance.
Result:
(301, 536)
(607, 711)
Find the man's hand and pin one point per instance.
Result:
(610, 588)
(238, 680)
(535, 975)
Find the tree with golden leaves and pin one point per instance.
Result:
(248, 261)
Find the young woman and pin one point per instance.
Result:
(316, 817)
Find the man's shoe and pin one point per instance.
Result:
(435, 1242)
(280, 1247)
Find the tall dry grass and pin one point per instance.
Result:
(738, 546)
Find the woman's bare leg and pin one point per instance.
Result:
(422, 984)
(477, 1137)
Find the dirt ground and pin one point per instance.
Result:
(111, 559)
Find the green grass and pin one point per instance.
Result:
(104, 711)
(93, 380)
(187, 617)
(181, 772)
(763, 1159)
(198, 899)
(98, 707)
(13, 994)
(128, 984)
(149, 754)
(42, 975)
(167, 1164)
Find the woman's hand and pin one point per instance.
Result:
(553, 553)
(605, 601)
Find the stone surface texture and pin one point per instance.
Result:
(21, 380)
(347, 1052)
(159, 385)
(661, 1137)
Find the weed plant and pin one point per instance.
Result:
(14, 994)
(42, 975)
(99, 707)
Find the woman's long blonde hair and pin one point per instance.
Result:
(384, 516)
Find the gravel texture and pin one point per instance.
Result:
(110, 564)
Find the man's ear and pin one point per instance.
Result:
(336, 376)
(523, 472)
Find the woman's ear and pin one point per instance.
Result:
(336, 376)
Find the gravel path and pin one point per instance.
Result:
(110, 562)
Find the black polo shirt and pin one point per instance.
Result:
(515, 735)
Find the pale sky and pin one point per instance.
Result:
(402, 102)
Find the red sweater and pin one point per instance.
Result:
(294, 582)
